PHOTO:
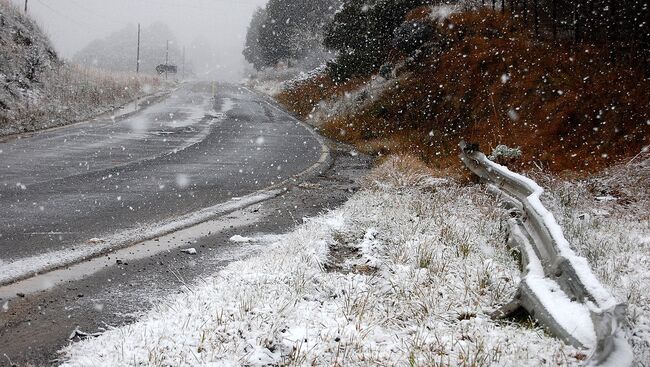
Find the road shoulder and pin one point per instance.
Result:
(35, 327)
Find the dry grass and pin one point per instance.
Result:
(41, 91)
(566, 106)
(74, 93)
(303, 99)
(81, 85)
(400, 171)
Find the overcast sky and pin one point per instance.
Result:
(72, 24)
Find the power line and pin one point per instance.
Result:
(68, 18)
(186, 6)
(103, 17)
(85, 25)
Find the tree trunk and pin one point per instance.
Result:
(554, 16)
(612, 32)
(576, 22)
(525, 10)
(536, 15)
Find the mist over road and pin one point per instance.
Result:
(62, 188)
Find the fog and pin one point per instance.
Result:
(72, 24)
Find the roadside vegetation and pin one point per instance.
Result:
(406, 272)
(73, 93)
(41, 91)
(558, 90)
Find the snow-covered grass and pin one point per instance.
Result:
(607, 220)
(405, 273)
(272, 81)
(344, 105)
(72, 93)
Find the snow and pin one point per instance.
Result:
(189, 251)
(398, 273)
(346, 103)
(573, 316)
(441, 12)
(238, 238)
(19, 268)
(304, 77)
(605, 198)
(623, 355)
(228, 105)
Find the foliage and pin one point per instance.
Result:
(620, 25)
(503, 154)
(287, 30)
(253, 48)
(386, 70)
(412, 35)
(362, 33)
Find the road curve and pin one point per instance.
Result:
(61, 189)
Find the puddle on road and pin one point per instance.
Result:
(175, 241)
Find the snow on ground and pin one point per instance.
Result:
(20, 268)
(405, 273)
(273, 81)
(347, 103)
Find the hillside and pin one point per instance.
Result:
(26, 60)
(41, 91)
(482, 76)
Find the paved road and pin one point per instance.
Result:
(34, 328)
(61, 188)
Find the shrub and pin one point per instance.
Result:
(412, 35)
(386, 71)
(503, 154)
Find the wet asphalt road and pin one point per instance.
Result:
(63, 187)
(34, 328)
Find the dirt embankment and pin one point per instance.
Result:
(39, 90)
(485, 78)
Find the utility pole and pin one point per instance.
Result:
(25, 6)
(536, 15)
(183, 69)
(554, 16)
(137, 67)
(167, 60)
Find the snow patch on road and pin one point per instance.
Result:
(189, 251)
(13, 270)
